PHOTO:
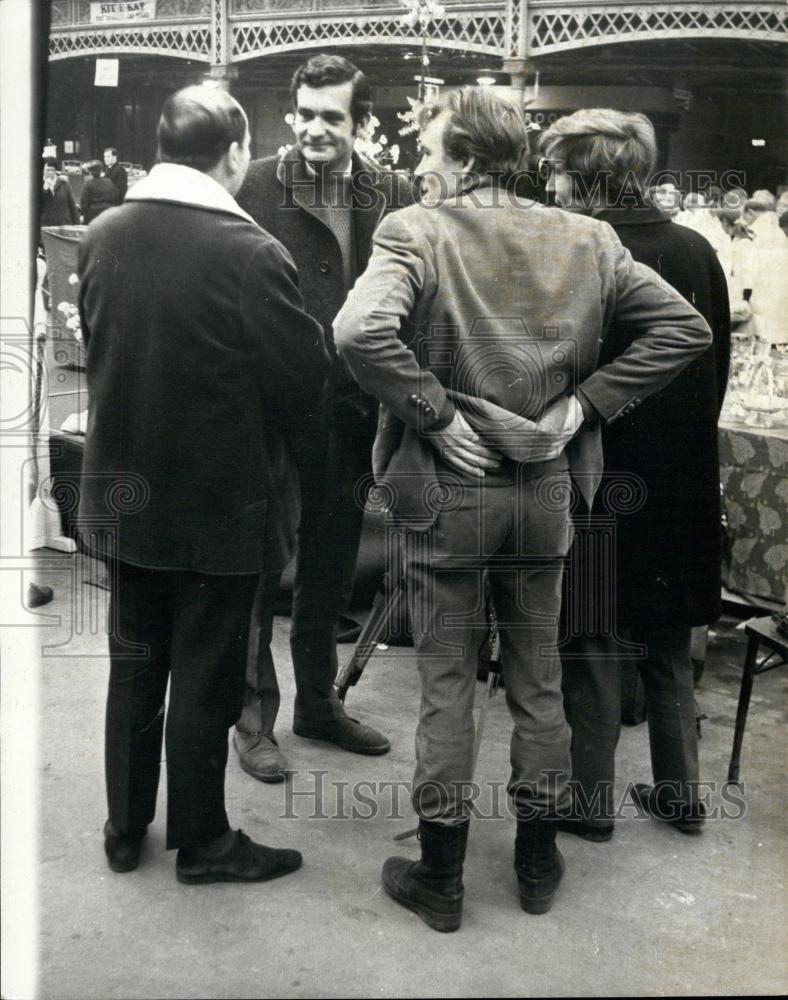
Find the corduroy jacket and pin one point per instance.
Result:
(499, 306)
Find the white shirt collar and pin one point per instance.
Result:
(186, 186)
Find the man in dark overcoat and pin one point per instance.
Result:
(116, 173)
(200, 358)
(323, 201)
(665, 575)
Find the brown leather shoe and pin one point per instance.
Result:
(260, 756)
(234, 857)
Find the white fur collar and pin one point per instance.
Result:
(187, 186)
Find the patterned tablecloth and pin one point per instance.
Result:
(754, 476)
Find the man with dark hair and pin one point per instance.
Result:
(489, 388)
(323, 201)
(58, 207)
(200, 360)
(116, 173)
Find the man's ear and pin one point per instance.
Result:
(469, 165)
(235, 155)
(361, 125)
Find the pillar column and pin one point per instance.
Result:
(222, 72)
(516, 47)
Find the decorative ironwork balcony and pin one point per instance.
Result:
(238, 30)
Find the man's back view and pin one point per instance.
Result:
(478, 325)
(200, 357)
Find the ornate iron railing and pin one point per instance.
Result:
(222, 31)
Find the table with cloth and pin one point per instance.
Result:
(754, 477)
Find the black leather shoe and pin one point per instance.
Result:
(122, 850)
(234, 857)
(347, 733)
(588, 831)
(683, 816)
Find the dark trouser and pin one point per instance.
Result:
(519, 534)
(193, 629)
(592, 697)
(334, 468)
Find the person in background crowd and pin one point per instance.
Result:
(667, 554)
(782, 204)
(58, 207)
(760, 202)
(697, 214)
(491, 388)
(323, 201)
(98, 194)
(200, 360)
(736, 257)
(668, 197)
(116, 173)
(768, 267)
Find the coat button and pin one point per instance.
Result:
(323, 265)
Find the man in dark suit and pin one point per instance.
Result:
(116, 173)
(666, 575)
(478, 326)
(200, 358)
(323, 201)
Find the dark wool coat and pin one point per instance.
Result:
(669, 553)
(279, 194)
(117, 174)
(199, 357)
(98, 195)
(58, 207)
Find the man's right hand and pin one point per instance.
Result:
(459, 445)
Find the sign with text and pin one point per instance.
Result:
(112, 11)
(107, 72)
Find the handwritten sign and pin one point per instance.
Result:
(112, 11)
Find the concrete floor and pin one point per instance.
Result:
(651, 913)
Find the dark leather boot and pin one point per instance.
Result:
(538, 863)
(432, 887)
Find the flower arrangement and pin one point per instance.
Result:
(71, 312)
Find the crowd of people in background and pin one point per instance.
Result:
(105, 186)
(750, 235)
